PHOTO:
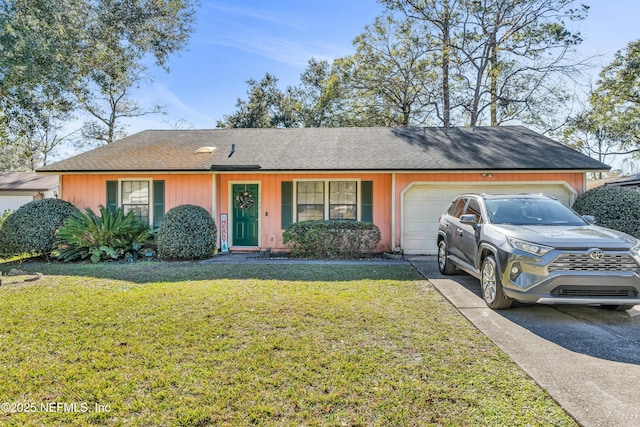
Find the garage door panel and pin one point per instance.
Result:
(423, 204)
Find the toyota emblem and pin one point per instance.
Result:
(596, 254)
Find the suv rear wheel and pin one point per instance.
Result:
(444, 265)
(491, 285)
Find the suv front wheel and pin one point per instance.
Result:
(491, 285)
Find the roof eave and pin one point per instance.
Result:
(249, 168)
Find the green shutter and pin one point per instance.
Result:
(367, 200)
(112, 196)
(287, 203)
(158, 203)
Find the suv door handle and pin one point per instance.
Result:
(460, 232)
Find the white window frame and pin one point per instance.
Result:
(151, 201)
(326, 182)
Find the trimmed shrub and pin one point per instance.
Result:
(187, 232)
(614, 207)
(112, 235)
(32, 228)
(331, 239)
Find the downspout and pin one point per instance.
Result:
(394, 248)
(214, 206)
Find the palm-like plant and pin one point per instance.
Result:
(111, 235)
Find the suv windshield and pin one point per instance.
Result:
(524, 211)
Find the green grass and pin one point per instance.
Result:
(165, 344)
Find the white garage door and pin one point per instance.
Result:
(12, 201)
(423, 203)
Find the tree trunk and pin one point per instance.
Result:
(446, 63)
(493, 79)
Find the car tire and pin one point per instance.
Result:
(445, 266)
(491, 286)
(622, 307)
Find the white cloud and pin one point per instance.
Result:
(262, 31)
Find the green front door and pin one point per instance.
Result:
(245, 214)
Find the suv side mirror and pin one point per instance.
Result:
(469, 219)
(590, 219)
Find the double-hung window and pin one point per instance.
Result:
(143, 197)
(135, 198)
(318, 200)
(310, 200)
(343, 200)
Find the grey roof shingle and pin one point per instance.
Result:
(306, 149)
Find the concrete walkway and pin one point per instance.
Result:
(257, 258)
(586, 358)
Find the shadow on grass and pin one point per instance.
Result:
(166, 271)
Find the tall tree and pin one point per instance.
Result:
(266, 106)
(36, 131)
(320, 96)
(617, 98)
(590, 133)
(524, 46)
(106, 96)
(34, 100)
(119, 35)
(499, 59)
(440, 17)
(392, 69)
(91, 52)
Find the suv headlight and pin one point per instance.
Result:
(529, 247)
(636, 248)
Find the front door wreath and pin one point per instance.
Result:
(244, 200)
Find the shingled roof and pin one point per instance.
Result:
(27, 181)
(332, 149)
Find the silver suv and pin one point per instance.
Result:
(534, 249)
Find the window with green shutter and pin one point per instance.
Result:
(112, 196)
(334, 199)
(143, 197)
(286, 198)
(367, 200)
(158, 203)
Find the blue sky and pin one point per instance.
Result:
(238, 40)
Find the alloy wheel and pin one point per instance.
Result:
(489, 281)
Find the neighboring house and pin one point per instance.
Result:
(265, 179)
(631, 181)
(19, 188)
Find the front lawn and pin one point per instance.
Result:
(166, 344)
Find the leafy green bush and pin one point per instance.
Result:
(32, 228)
(613, 207)
(331, 239)
(112, 235)
(187, 232)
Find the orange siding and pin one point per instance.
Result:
(89, 191)
(270, 202)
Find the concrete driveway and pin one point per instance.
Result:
(586, 358)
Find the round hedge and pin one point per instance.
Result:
(614, 207)
(32, 228)
(187, 232)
